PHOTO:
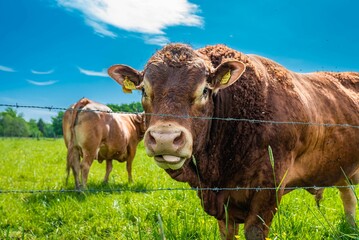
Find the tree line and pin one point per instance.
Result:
(13, 124)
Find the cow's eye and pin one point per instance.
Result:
(144, 94)
(205, 92)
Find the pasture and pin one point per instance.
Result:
(32, 205)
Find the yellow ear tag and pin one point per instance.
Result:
(128, 86)
(226, 77)
(125, 90)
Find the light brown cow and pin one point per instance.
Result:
(92, 131)
(198, 102)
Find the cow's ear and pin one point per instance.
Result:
(129, 78)
(226, 74)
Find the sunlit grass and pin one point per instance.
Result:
(130, 211)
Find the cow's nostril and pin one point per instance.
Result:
(151, 139)
(179, 140)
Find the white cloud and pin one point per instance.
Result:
(100, 28)
(42, 83)
(142, 16)
(156, 40)
(6, 69)
(42, 73)
(103, 73)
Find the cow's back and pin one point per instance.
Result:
(85, 124)
(92, 126)
(324, 139)
(333, 100)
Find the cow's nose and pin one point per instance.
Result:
(168, 139)
(165, 142)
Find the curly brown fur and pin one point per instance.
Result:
(221, 53)
(174, 55)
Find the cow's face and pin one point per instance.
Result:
(177, 99)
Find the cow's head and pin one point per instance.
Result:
(177, 88)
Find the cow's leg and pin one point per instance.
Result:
(262, 211)
(73, 161)
(129, 169)
(131, 156)
(86, 163)
(349, 201)
(108, 170)
(228, 229)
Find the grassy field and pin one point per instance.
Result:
(132, 213)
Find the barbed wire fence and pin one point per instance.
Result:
(145, 190)
(50, 108)
(215, 189)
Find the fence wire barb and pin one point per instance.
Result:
(215, 189)
(259, 121)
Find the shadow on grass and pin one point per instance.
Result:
(51, 196)
(346, 231)
(137, 187)
(342, 230)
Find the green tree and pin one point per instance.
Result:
(132, 107)
(10, 112)
(33, 129)
(57, 124)
(49, 130)
(13, 124)
(41, 126)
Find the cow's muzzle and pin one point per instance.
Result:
(169, 144)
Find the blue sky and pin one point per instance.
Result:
(54, 52)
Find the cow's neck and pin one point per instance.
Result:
(230, 141)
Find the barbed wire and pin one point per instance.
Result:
(215, 189)
(259, 121)
(32, 106)
(135, 190)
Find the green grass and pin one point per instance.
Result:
(134, 212)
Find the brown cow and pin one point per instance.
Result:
(92, 131)
(198, 102)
